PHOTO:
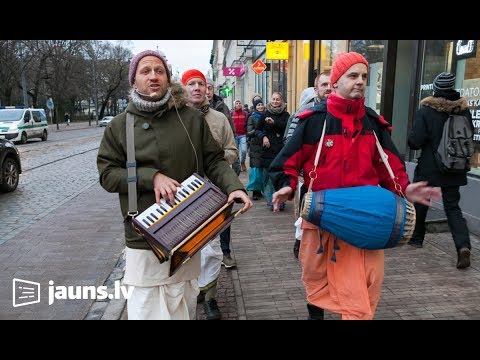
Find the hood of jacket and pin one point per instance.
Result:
(307, 96)
(444, 105)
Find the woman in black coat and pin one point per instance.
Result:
(271, 127)
(425, 135)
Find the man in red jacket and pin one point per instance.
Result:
(343, 279)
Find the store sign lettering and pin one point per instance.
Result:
(470, 92)
(475, 115)
(466, 48)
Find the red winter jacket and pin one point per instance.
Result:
(349, 154)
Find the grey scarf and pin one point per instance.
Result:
(277, 110)
(149, 106)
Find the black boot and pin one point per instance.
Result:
(211, 310)
(296, 248)
(314, 312)
(463, 259)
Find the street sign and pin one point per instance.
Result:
(259, 66)
(50, 104)
(233, 70)
(276, 51)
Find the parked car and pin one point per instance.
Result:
(10, 167)
(105, 121)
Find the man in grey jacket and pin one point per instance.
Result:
(163, 125)
(212, 254)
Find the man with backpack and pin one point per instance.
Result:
(444, 160)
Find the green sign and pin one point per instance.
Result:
(226, 91)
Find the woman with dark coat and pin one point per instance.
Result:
(271, 128)
(256, 177)
(425, 135)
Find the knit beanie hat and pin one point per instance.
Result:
(444, 81)
(343, 62)
(256, 95)
(256, 102)
(136, 59)
(210, 81)
(191, 74)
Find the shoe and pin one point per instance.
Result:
(256, 195)
(228, 262)
(416, 243)
(282, 206)
(463, 258)
(296, 248)
(200, 297)
(211, 310)
(315, 313)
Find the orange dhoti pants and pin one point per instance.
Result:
(351, 285)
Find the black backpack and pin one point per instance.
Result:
(456, 146)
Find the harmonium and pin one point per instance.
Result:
(178, 230)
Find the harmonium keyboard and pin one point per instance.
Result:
(180, 229)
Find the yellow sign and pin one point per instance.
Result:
(277, 51)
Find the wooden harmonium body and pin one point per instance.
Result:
(178, 230)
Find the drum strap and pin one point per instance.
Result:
(387, 165)
(313, 175)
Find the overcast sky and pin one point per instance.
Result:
(181, 54)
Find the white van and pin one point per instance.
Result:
(19, 124)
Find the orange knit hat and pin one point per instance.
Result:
(343, 62)
(193, 73)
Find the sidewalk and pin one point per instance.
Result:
(76, 125)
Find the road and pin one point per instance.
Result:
(54, 172)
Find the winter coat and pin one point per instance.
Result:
(256, 143)
(274, 132)
(161, 145)
(222, 133)
(426, 134)
(349, 155)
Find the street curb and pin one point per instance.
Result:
(110, 309)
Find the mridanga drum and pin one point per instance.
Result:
(368, 217)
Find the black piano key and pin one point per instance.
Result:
(149, 218)
(168, 203)
(161, 207)
(146, 222)
(198, 182)
(153, 215)
(186, 190)
(195, 185)
(160, 211)
(191, 187)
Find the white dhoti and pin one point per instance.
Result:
(167, 302)
(158, 296)
(210, 264)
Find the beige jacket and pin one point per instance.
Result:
(222, 133)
